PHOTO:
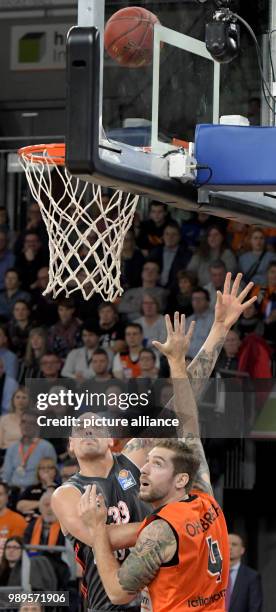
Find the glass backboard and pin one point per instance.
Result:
(124, 120)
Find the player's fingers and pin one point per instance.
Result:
(93, 497)
(227, 283)
(169, 326)
(100, 501)
(248, 303)
(245, 291)
(176, 321)
(157, 345)
(191, 330)
(219, 298)
(236, 284)
(182, 324)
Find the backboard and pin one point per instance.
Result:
(122, 122)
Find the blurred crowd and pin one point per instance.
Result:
(169, 263)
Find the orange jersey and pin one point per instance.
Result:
(197, 576)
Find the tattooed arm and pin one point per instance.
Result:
(155, 545)
(228, 309)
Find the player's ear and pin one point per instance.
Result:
(182, 480)
(110, 442)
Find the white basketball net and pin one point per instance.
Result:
(85, 234)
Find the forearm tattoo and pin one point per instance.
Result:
(202, 366)
(155, 545)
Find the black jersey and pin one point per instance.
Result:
(119, 490)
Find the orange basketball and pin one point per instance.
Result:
(128, 36)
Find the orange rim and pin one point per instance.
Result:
(48, 154)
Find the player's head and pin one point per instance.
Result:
(169, 472)
(87, 441)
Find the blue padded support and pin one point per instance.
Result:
(238, 155)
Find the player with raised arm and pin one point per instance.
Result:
(97, 464)
(181, 557)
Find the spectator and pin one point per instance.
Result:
(255, 359)
(42, 576)
(8, 386)
(6, 257)
(132, 262)
(19, 327)
(229, 357)
(148, 365)
(22, 458)
(126, 364)
(250, 322)
(70, 467)
(212, 248)
(10, 431)
(244, 591)
(194, 230)
(267, 302)
(44, 307)
(30, 260)
(65, 334)
(46, 476)
(180, 299)
(238, 236)
(11, 523)
(171, 256)
(100, 366)
(78, 362)
(254, 263)
(34, 224)
(131, 300)
(46, 530)
(152, 229)
(35, 349)
(8, 357)
(204, 318)
(152, 323)
(11, 293)
(110, 329)
(50, 365)
(217, 270)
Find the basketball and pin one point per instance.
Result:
(128, 36)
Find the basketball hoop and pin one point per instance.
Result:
(86, 232)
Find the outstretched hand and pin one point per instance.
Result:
(177, 343)
(230, 305)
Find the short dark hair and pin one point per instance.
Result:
(135, 325)
(67, 303)
(202, 290)
(107, 305)
(100, 351)
(149, 352)
(22, 302)
(217, 264)
(174, 225)
(12, 270)
(156, 203)
(90, 327)
(184, 460)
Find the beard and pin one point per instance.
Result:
(151, 494)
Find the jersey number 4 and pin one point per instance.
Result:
(214, 558)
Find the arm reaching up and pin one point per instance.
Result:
(228, 309)
(175, 349)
